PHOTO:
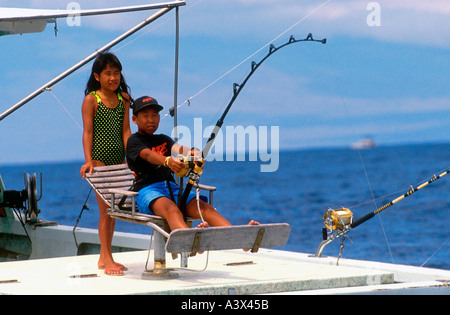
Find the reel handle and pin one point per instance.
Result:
(191, 164)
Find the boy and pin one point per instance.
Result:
(149, 155)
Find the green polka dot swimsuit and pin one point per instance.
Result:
(107, 142)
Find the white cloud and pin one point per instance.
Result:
(438, 7)
(412, 21)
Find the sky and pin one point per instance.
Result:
(383, 72)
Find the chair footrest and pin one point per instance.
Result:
(231, 237)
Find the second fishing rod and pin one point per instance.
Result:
(340, 221)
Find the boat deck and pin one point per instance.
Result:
(228, 272)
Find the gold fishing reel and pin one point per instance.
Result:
(192, 164)
(338, 219)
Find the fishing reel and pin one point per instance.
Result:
(25, 199)
(338, 222)
(193, 167)
(338, 219)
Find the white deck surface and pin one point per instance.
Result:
(264, 272)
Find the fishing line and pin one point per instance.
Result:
(197, 195)
(400, 191)
(344, 104)
(340, 221)
(64, 107)
(445, 242)
(84, 69)
(173, 268)
(19, 216)
(85, 207)
(188, 101)
(194, 168)
(163, 22)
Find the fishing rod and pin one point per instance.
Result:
(194, 168)
(341, 220)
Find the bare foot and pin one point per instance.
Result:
(114, 271)
(252, 222)
(202, 225)
(101, 266)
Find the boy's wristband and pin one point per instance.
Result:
(166, 161)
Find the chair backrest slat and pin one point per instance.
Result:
(104, 178)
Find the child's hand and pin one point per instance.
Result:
(196, 152)
(175, 165)
(86, 167)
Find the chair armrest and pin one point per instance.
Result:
(205, 187)
(128, 193)
(211, 189)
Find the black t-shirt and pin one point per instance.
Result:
(146, 172)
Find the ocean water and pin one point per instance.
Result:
(414, 231)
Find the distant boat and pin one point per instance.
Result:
(365, 143)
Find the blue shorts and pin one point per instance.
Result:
(149, 194)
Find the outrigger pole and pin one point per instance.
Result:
(166, 8)
(345, 229)
(196, 169)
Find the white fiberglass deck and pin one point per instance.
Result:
(234, 271)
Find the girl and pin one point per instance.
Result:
(106, 122)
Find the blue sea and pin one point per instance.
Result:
(414, 231)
